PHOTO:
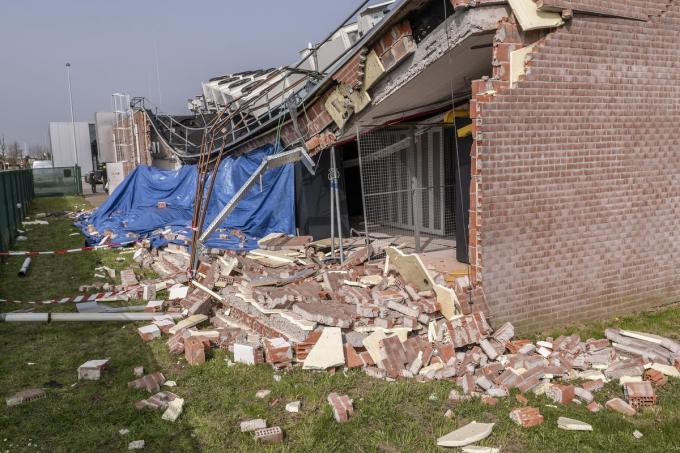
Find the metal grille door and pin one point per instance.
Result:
(408, 184)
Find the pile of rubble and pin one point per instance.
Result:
(392, 318)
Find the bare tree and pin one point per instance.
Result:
(39, 151)
(14, 152)
(3, 146)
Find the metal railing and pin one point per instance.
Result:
(16, 192)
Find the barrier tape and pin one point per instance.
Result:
(65, 251)
(131, 291)
(75, 299)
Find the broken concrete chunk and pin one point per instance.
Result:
(336, 315)
(583, 394)
(136, 445)
(191, 321)
(573, 425)
(25, 396)
(251, 425)
(178, 292)
(91, 370)
(149, 332)
(468, 434)
(248, 354)
(262, 393)
(666, 369)
(327, 352)
(478, 449)
(342, 407)
(174, 410)
(293, 406)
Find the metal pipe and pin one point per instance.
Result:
(47, 317)
(24, 267)
(336, 193)
(70, 102)
(330, 178)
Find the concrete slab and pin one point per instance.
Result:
(327, 352)
(468, 434)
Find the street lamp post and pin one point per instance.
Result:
(70, 101)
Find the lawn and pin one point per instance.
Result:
(399, 416)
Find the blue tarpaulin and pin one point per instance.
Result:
(132, 211)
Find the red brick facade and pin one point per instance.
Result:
(576, 205)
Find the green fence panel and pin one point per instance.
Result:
(16, 192)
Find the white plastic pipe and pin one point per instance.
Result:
(25, 317)
(47, 317)
(24, 267)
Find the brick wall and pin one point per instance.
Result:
(578, 175)
(636, 9)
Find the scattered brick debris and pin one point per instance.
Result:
(526, 417)
(655, 377)
(25, 396)
(640, 394)
(174, 409)
(570, 424)
(269, 435)
(159, 401)
(620, 406)
(293, 406)
(341, 406)
(136, 445)
(92, 370)
(262, 394)
(151, 382)
(251, 425)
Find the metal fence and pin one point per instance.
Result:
(16, 191)
(408, 186)
(57, 181)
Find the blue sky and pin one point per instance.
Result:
(111, 47)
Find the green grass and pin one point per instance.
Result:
(398, 416)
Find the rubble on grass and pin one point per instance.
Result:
(390, 317)
(92, 370)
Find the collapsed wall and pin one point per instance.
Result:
(576, 180)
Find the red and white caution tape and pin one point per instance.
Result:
(131, 291)
(75, 299)
(65, 251)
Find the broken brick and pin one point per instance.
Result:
(25, 396)
(620, 406)
(194, 350)
(269, 435)
(655, 377)
(640, 394)
(150, 382)
(526, 416)
(341, 406)
(561, 393)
